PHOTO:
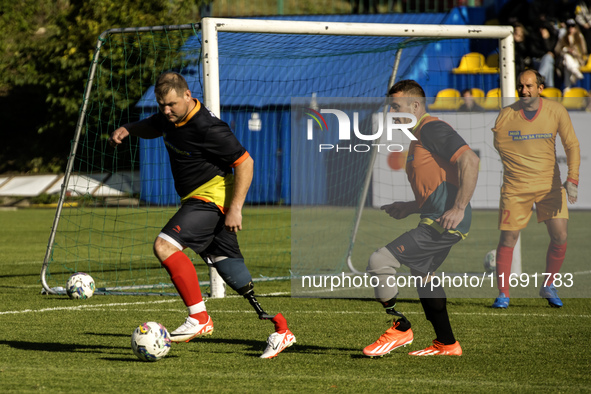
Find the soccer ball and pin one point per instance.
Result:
(150, 341)
(490, 261)
(80, 285)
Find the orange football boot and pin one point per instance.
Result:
(390, 340)
(439, 349)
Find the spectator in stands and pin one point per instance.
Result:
(521, 57)
(583, 19)
(469, 104)
(534, 49)
(571, 52)
(541, 42)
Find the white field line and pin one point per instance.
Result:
(117, 306)
(81, 307)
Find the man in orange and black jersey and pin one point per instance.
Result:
(442, 171)
(525, 136)
(212, 173)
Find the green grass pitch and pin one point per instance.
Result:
(54, 344)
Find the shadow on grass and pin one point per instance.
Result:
(59, 347)
(73, 348)
(105, 334)
(20, 275)
(257, 347)
(133, 359)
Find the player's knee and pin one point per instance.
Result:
(163, 248)
(158, 246)
(235, 273)
(382, 262)
(509, 238)
(558, 237)
(382, 265)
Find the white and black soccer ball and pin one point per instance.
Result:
(150, 341)
(490, 261)
(80, 285)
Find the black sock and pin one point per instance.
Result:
(404, 324)
(435, 306)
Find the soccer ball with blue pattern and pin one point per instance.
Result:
(80, 285)
(490, 261)
(150, 341)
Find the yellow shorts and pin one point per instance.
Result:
(515, 209)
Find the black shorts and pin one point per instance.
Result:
(423, 249)
(199, 225)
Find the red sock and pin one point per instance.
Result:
(554, 259)
(184, 277)
(280, 323)
(504, 261)
(201, 317)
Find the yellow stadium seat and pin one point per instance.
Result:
(587, 67)
(492, 63)
(552, 93)
(446, 100)
(473, 63)
(493, 99)
(478, 95)
(476, 92)
(470, 63)
(575, 98)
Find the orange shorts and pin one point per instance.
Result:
(515, 209)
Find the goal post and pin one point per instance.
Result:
(211, 26)
(106, 220)
(504, 35)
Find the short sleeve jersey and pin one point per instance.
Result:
(202, 150)
(528, 147)
(432, 170)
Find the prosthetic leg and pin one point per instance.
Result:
(382, 265)
(236, 275)
(234, 272)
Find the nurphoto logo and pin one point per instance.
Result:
(317, 121)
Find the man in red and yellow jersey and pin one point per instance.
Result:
(525, 136)
(212, 173)
(442, 171)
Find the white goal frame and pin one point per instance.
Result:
(211, 81)
(210, 28)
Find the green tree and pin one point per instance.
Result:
(47, 47)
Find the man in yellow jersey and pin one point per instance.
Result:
(525, 136)
(212, 172)
(442, 171)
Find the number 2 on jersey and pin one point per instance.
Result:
(505, 216)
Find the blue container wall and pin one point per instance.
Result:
(265, 134)
(157, 183)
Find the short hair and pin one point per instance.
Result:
(520, 25)
(540, 80)
(169, 81)
(410, 88)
